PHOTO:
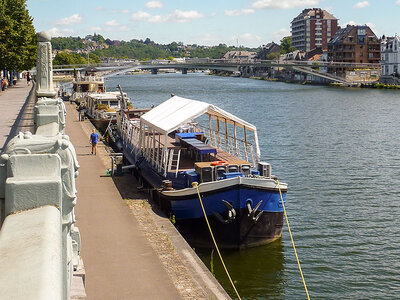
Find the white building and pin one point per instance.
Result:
(390, 56)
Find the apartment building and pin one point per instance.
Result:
(313, 28)
(354, 45)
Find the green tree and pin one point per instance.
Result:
(18, 42)
(98, 38)
(94, 59)
(173, 46)
(63, 58)
(286, 45)
(273, 55)
(63, 43)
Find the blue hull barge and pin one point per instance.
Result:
(182, 141)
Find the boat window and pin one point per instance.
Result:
(84, 88)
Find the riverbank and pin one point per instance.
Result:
(375, 85)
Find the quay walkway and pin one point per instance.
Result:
(129, 250)
(119, 261)
(16, 111)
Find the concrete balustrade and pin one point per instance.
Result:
(39, 245)
(45, 114)
(47, 110)
(30, 255)
(33, 180)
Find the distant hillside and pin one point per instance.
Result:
(67, 43)
(139, 49)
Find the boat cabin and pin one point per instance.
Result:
(85, 85)
(103, 105)
(186, 140)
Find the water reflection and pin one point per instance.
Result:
(258, 273)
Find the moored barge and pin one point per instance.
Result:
(183, 141)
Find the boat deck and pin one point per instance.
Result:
(190, 156)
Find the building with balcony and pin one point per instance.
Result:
(353, 45)
(313, 28)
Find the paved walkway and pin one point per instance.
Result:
(119, 261)
(12, 104)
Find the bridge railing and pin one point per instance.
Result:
(239, 62)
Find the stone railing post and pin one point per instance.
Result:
(44, 67)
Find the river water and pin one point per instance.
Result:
(338, 150)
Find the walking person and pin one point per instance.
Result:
(94, 138)
(4, 84)
(28, 78)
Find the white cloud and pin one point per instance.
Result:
(178, 16)
(157, 19)
(119, 28)
(72, 20)
(154, 4)
(206, 39)
(94, 29)
(109, 28)
(112, 23)
(361, 4)
(239, 12)
(182, 16)
(246, 38)
(54, 32)
(398, 2)
(141, 16)
(286, 4)
(121, 11)
(280, 34)
(99, 8)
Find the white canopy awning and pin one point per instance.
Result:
(178, 111)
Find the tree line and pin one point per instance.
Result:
(148, 49)
(18, 41)
(64, 58)
(141, 49)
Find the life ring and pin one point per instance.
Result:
(219, 163)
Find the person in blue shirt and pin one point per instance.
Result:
(94, 138)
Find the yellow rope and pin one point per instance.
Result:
(291, 237)
(195, 184)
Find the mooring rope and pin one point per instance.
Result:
(291, 238)
(196, 185)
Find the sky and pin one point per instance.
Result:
(249, 23)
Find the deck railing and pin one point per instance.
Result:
(234, 146)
